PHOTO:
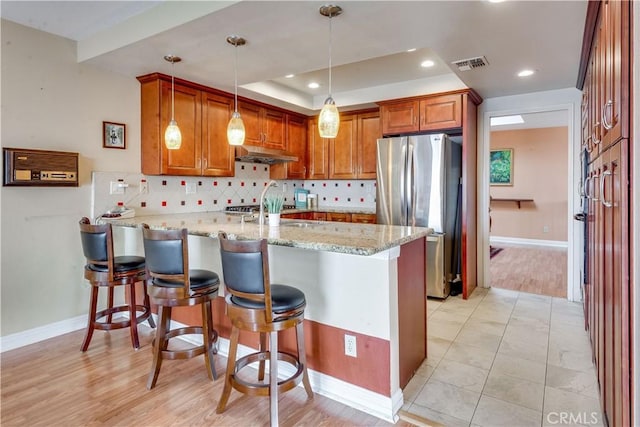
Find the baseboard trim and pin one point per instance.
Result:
(383, 407)
(528, 242)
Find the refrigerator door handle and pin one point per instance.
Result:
(411, 220)
(403, 187)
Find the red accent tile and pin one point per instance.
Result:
(215, 183)
(348, 184)
(254, 200)
(183, 183)
(143, 204)
(228, 201)
(199, 202)
(164, 203)
(362, 199)
(242, 184)
(335, 199)
(324, 184)
(143, 180)
(120, 203)
(255, 168)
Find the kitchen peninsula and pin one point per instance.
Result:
(363, 280)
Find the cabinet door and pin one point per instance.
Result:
(297, 144)
(250, 114)
(318, 216)
(317, 152)
(368, 134)
(400, 117)
(273, 129)
(343, 154)
(338, 216)
(363, 218)
(218, 156)
(188, 159)
(441, 112)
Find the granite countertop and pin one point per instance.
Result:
(348, 238)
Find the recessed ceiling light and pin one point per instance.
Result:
(506, 120)
(525, 73)
(413, 49)
(496, 1)
(428, 63)
(313, 85)
(288, 76)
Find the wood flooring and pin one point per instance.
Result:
(52, 383)
(541, 271)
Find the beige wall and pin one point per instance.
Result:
(540, 173)
(51, 102)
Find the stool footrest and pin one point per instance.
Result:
(187, 353)
(260, 388)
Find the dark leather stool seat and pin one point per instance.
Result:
(104, 270)
(173, 284)
(254, 304)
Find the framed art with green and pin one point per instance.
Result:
(501, 166)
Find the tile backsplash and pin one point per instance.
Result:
(176, 194)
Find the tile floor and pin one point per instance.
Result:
(505, 358)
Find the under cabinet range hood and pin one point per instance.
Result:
(269, 156)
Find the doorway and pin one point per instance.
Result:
(544, 227)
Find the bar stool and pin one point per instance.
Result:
(254, 304)
(173, 284)
(104, 270)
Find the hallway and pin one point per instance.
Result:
(505, 358)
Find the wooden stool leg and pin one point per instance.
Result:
(91, 318)
(133, 316)
(147, 305)
(302, 357)
(207, 335)
(273, 377)
(231, 365)
(110, 303)
(159, 344)
(263, 347)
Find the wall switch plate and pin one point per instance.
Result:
(191, 187)
(545, 229)
(350, 348)
(116, 187)
(144, 186)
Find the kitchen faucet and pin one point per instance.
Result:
(272, 183)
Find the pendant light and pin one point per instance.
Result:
(329, 119)
(235, 129)
(172, 135)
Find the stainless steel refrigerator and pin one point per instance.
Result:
(418, 185)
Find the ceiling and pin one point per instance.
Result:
(369, 43)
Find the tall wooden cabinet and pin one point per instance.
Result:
(264, 127)
(202, 116)
(604, 79)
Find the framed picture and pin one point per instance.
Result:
(113, 135)
(501, 166)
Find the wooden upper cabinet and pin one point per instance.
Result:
(296, 143)
(441, 112)
(202, 118)
(317, 152)
(343, 154)
(400, 117)
(218, 156)
(369, 130)
(263, 127)
(423, 114)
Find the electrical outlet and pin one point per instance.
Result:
(545, 229)
(350, 348)
(116, 187)
(144, 186)
(191, 187)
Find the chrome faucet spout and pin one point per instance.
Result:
(271, 183)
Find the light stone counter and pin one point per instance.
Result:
(348, 238)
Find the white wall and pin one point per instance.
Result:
(51, 102)
(561, 99)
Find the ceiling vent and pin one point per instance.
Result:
(471, 63)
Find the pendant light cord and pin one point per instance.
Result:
(235, 85)
(330, 50)
(172, 92)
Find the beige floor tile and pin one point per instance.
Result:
(559, 355)
(464, 376)
(486, 313)
(486, 326)
(515, 390)
(520, 368)
(415, 386)
(493, 412)
(524, 350)
(444, 329)
(436, 416)
(573, 405)
(437, 347)
(487, 342)
(523, 333)
(470, 355)
(581, 382)
(448, 399)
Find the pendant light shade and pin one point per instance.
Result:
(235, 129)
(329, 119)
(172, 135)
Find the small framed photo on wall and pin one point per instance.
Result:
(501, 166)
(113, 135)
